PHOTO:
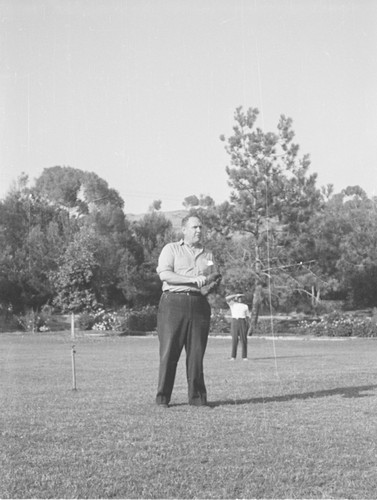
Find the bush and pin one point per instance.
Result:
(86, 320)
(125, 320)
(219, 322)
(33, 321)
(265, 328)
(106, 320)
(8, 321)
(99, 319)
(140, 320)
(339, 324)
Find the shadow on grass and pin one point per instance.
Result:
(346, 392)
(285, 357)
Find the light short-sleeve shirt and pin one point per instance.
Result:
(182, 259)
(239, 310)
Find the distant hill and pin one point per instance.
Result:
(174, 216)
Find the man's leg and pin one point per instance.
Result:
(243, 337)
(234, 333)
(171, 328)
(196, 343)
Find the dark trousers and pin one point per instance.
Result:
(238, 329)
(182, 321)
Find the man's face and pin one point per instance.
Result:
(192, 231)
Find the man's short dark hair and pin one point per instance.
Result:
(187, 217)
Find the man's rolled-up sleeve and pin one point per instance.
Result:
(165, 260)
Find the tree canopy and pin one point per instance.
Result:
(279, 238)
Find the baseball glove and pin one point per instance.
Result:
(213, 281)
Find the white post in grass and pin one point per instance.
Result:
(73, 352)
(73, 369)
(73, 326)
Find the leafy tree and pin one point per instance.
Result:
(118, 253)
(33, 233)
(272, 199)
(98, 208)
(38, 225)
(152, 232)
(75, 280)
(346, 246)
(273, 196)
(193, 202)
(75, 189)
(156, 205)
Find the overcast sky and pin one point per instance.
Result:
(139, 91)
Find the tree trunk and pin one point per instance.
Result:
(257, 296)
(257, 301)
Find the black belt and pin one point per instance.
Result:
(188, 292)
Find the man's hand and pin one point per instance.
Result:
(200, 281)
(213, 278)
(213, 281)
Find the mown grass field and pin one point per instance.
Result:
(298, 420)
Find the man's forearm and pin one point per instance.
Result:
(178, 279)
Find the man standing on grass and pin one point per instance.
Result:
(241, 318)
(184, 267)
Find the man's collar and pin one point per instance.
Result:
(182, 242)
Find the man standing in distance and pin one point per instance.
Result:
(184, 313)
(241, 320)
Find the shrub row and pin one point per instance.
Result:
(130, 321)
(338, 324)
(335, 324)
(126, 321)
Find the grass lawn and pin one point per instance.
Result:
(298, 420)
